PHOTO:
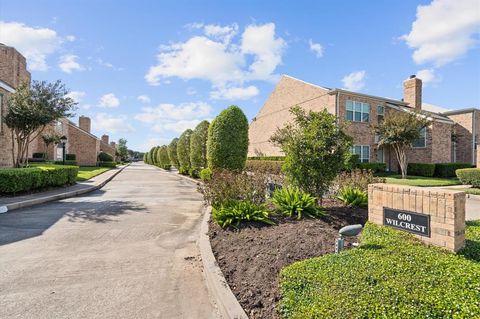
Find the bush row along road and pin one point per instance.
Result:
(125, 251)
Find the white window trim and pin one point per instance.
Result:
(361, 111)
(425, 140)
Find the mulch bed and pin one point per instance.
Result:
(251, 257)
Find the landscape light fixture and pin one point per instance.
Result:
(347, 231)
(63, 140)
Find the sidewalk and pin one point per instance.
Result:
(15, 202)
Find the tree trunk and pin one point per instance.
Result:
(401, 154)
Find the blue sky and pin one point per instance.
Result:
(147, 70)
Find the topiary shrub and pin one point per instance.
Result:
(198, 145)
(183, 150)
(227, 144)
(448, 169)
(421, 169)
(469, 176)
(104, 157)
(163, 159)
(172, 152)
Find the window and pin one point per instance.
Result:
(363, 152)
(358, 111)
(380, 113)
(422, 141)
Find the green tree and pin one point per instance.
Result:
(145, 157)
(315, 148)
(227, 144)
(183, 151)
(399, 131)
(30, 110)
(172, 152)
(151, 156)
(198, 145)
(163, 157)
(49, 138)
(122, 149)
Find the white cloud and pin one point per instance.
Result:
(170, 117)
(155, 141)
(109, 100)
(443, 31)
(185, 111)
(70, 38)
(112, 124)
(215, 57)
(69, 63)
(191, 91)
(77, 96)
(427, 76)
(36, 44)
(144, 98)
(316, 48)
(234, 93)
(354, 81)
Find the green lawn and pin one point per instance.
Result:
(422, 181)
(87, 172)
(391, 275)
(84, 172)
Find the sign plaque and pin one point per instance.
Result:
(415, 223)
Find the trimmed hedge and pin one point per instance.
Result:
(67, 162)
(469, 176)
(183, 151)
(375, 167)
(227, 144)
(14, 180)
(421, 169)
(198, 145)
(107, 164)
(70, 157)
(163, 159)
(104, 157)
(448, 169)
(391, 275)
(39, 155)
(172, 152)
(264, 166)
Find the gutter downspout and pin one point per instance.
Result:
(474, 133)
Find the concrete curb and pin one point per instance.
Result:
(218, 288)
(68, 194)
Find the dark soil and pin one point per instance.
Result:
(251, 257)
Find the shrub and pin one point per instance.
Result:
(26, 179)
(291, 201)
(227, 144)
(183, 150)
(448, 169)
(421, 169)
(194, 172)
(167, 167)
(206, 174)
(70, 157)
(234, 212)
(39, 155)
(391, 275)
(469, 176)
(352, 196)
(36, 160)
(107, 164)
(315, 147)
(264, 166)
(163, 159)
(172, 152)
(105, 157)
(67, 162)
(375, 167)
(226, 185)
(351, 161)
(198, 145)
(183, 170)
(357, 178)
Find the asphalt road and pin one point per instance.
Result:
(125, 251)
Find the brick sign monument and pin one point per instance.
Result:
(436, 216)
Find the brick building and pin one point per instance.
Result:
(360, 111)
(80, 141)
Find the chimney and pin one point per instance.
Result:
(113, 144)
(105, 138)
(84, 123)
(412, 92)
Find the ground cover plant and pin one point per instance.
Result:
(353, 196)
(232, 213)
(292, 202)
(392, 275)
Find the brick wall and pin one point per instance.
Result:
(107, 148)
(85, 146)
(446, 210)
(463, 129)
